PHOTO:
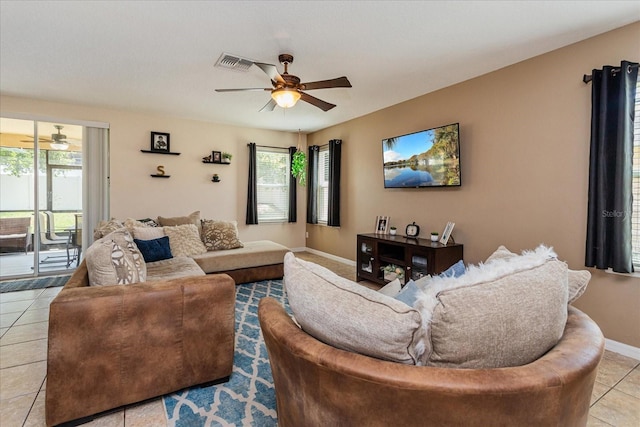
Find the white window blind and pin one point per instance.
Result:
(635, 216)
(272, 167)
(323, 185)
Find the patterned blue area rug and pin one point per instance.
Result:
(248, 399)
(38, 283)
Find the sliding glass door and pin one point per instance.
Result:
(41, 197)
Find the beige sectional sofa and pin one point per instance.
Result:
(221, 253)
(259, 260)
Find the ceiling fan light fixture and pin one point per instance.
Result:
(59, 145)
(58, 140)
(285, 97)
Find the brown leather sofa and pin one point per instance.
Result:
(114, 345)
(319, 385)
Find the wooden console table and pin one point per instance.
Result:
(417, 257)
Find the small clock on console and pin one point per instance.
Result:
(412, 230)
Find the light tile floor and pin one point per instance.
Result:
(23, 353)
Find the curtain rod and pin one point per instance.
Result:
(269, 146)
(588, 77)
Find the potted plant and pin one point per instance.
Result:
(434, 236)
(392, 230)
(392, 272)
(226, 157)
(299, 167)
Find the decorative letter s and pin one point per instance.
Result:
(160, 170)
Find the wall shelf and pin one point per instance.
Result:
(160, 176)
(215, 163)
(161, 152)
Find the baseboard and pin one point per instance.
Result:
(332, 257)
(621, 348)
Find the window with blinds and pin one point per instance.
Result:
(635, 216)
(323, 185)
(272, 170)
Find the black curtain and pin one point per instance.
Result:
(312, 184)
(610, 168)
(293, 193)
(335, 154)
(252, 192)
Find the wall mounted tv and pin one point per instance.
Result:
(429, 158)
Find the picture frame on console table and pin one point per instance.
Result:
(160, 142)
(446, 234)
(382, 224)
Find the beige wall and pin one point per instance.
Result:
(524, 156)
(135, 194)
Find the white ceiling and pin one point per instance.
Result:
(158, 56)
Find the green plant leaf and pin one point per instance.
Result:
(299, 167)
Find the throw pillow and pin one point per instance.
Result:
(408, 294)
(193, 218)
(577, 279)
(105, 227)
(155, 249)
(148, 233)
(501, 253)
(132, 224)
(352, 317)
(115, 259)
(456, 270)
(504, 313)
(184, 240)
(148, 222)
(391, 289)
(220, 235)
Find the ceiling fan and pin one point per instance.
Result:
(287, 89)
(59, 141)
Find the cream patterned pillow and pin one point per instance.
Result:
(219, 235)
(184, 240)
(115, 259)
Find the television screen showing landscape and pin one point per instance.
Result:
(430, 158)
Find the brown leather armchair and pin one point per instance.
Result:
(319, 385)
(111, 346)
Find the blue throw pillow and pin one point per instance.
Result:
(408, 294)
(154, 250)
(456, 270)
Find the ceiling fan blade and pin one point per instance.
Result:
(271, 71)
(243, 90)
(323, 105)
(40, 139)
(270, 106)
(325, 84)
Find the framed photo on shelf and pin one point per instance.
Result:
(446, 234)
(160, 142)
(216, 156)
(382, 224)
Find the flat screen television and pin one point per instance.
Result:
(429, 158)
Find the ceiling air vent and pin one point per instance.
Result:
(234, 62)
